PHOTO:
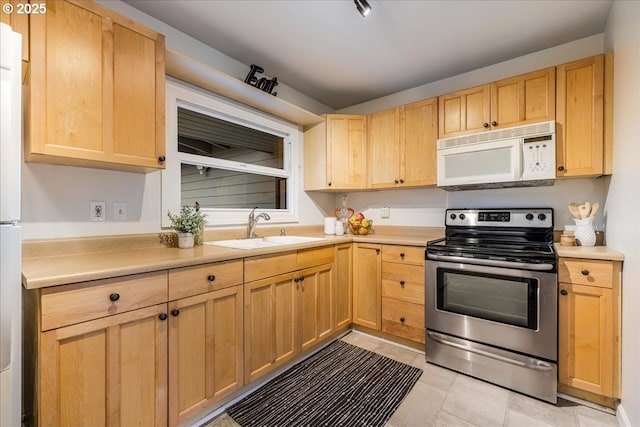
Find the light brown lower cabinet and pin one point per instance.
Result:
(589, 329)
(284, 315)
(343, 285)
(366, 285)
(205, 351)
(110, 371)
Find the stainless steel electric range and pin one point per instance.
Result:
(491, 298)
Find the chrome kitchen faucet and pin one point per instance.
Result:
(253, 220)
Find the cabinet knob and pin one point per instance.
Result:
(377, 251)
(211, 277)
(560, 168)
(162, 316)
(564, 292)
(296, 279)
(114, 297)
(175, 312)
(329, 184)
(402, 283)
(494, 123)
(402, 320)
(401, 254)
(585, 272)
(396, 181)
(162, 158)
(401, 181)
(485, 125)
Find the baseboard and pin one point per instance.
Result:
(621, 416)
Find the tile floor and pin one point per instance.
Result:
(445, 398)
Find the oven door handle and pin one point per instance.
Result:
(492, 262)
(539, 366)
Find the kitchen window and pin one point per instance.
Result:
(227, 157)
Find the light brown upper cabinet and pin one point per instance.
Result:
(580, 124)
(402, 145)
(96, 89)
(515, 101)
(335, 153)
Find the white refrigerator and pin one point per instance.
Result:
(10, 231)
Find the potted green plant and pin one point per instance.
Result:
(188, 223)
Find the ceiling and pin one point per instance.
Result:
(326, 50)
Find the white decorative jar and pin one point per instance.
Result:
(185, 240)
(585, 234)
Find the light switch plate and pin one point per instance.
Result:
(119, 211)
(97, 211)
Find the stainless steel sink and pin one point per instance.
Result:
(264, 242)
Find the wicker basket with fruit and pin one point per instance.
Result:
(360, 225)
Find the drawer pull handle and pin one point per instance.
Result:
(564, 292)
(114, 297)
(211, 278)
(402, 283)
(162, 316)
(401, 254)
(402, 320)
(175, 312)
(585, 272)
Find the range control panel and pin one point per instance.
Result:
(524, 217)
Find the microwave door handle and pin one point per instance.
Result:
(518, 160)
(540, 366)
(491, 262)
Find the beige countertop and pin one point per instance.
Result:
(592, 252)
(51, 263)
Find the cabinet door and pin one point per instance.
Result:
(525, 99)
(463, 112)
(580, 117)
(343, 285)
(585, 338)
(346, 152)
(269, 324)
(138, 96)
(418, 137)
(205, 351)
(366, 286)
(315, 304)
(68, 103)
(384, 148)
(106, 372)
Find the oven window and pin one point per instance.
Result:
(504, 299)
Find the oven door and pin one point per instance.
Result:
(513, 309)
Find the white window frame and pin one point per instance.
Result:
(180, 94)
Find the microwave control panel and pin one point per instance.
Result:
(539, 158)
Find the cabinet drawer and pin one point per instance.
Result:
(405, 282)
(312, 257)
(403, 319)
(199, 279)
(69, 304)
(586, 272)
(259, 267)
(403, 254)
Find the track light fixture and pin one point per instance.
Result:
(363, 7)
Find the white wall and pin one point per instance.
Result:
(623, 201)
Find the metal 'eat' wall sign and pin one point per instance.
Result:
(263, 83)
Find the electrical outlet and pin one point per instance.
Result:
(97, 211)
(385, 212)
(119, 211)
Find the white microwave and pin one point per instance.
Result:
(514, 157)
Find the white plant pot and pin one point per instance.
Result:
(585, 234)
(185, 240)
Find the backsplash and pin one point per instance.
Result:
(425, 207)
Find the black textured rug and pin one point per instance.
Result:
(341, 385)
